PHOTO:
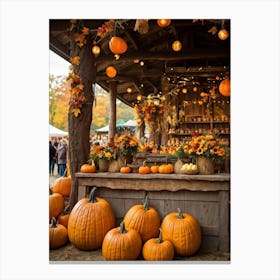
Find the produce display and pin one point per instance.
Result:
(89, 221)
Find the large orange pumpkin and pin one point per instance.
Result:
(117, 45)
(183, 230)
(224, 87)
(144, 219)
(56, 204)
(121, 244)
(89, 221)
(62, 185)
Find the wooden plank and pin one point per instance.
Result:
(185, 195)
(224, 222)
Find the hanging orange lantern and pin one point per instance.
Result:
(117, 45)
(223, 34)
(195, 89)
(224, 87)
(176, 46)
(111, 71)
(163, 22)
(96, 50)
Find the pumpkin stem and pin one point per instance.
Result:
(146, 203)
(159, 240)
(122, 228)
(53, 221)
(92, 197)
(180, 214)
(50, 191)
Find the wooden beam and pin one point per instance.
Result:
(113, 113)
(103, 61)
(59, 49)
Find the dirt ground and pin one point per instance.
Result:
(69, 253)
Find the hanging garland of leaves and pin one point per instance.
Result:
(77, 97)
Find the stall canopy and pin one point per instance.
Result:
(55, 132)
(129, 123)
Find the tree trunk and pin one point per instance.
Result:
(79, 127)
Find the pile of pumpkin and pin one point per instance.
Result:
(141, 235)
(143, 169)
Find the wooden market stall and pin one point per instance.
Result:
(177, 79)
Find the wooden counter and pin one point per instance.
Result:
(204, 196)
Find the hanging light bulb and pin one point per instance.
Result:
(139, 97)
(163, 22)
(184, 90)
(176, 46)
(223, 34)
(96, 50)
(129, 90)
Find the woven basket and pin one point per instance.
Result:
(205, 165)
(103, 165)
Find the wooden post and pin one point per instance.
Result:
(79, 127)
(113, 112)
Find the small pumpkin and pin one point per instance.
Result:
(63, 218)
(183, 230)
(62, 185)
(88, 168)
(56, 204)
(144, 219)
(117, 45)
(144, 169)
(166, 168)
(57, 235)
(154, 169)
(89, 221)
(121, 244)
(157, 249)
(125, 169)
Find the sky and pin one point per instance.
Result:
(58, 65)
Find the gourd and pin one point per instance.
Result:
(57, 235)
(121, 244)
(183, 230)
(88, 168)
(62, 185)
(56, 204)
(144, 219)
(125, 169)
(157, 249)
(166, 168)
(89, 221)
(117, 45)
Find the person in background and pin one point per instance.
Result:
(62, 156)
(52, 155)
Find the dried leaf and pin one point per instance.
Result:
(75, 60)
(213, 30)
(76, 112)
